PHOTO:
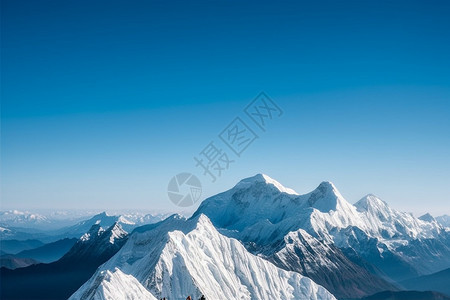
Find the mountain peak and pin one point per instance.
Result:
(258, 178)
(116, 232)
(444, 220)
(101, 215)
(123, 220)
(203, 219)
(95, 231)
(327, 187)
(326, 197)
(427, 217)
(202, 261)
(114, 227)
(371, 202)
(327, 184)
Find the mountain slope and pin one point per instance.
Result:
(180, 258)
(439, 282)
(48, 252)
(267, 220)
(102, 219)
(16, 246)
(261, 214)
(407, 295)
(444, 220)
(327, 265)
(12, 262)
(58, 280)
(15, 218)
(21, 226)
(117, 285)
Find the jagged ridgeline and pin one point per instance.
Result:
(258, 240)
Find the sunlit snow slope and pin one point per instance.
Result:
(261, 213)
(178, 258)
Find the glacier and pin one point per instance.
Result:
(261, 240)
(259, 212)
(182, 257)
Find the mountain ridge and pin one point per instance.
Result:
(261, 216)
(190, 257)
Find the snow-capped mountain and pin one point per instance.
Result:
(5, 232)
(22, 234)
(140, 219)
(118, 285)
(60, 279)
(259, 212)
(259, 200)
(128, 222)
(15, 224)
(30, 222)
(444, 220)
(390, 225)
(327, 265)
(72, 231)
(181, 257)
(98, 243)
(16, 218)
(102, 220)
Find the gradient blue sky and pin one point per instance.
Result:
(104, 101)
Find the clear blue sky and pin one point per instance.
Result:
(104, 101)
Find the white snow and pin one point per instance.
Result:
(110, 285)
(117, 233)
(22, 218)
(2, 229)
(266, 179)
(114, 232)
(255, 211)
(180, 258)
(444, 220)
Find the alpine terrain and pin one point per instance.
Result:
(323, 236)
(190, 257)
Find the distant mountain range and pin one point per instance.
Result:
(9, 229)
(49, 252)
(16, 246)
(258, 240)
(439, 282)
(61, 260)
(12, 262)
(444, 220)
(352, 250)
(58, 280)
(42, 254)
